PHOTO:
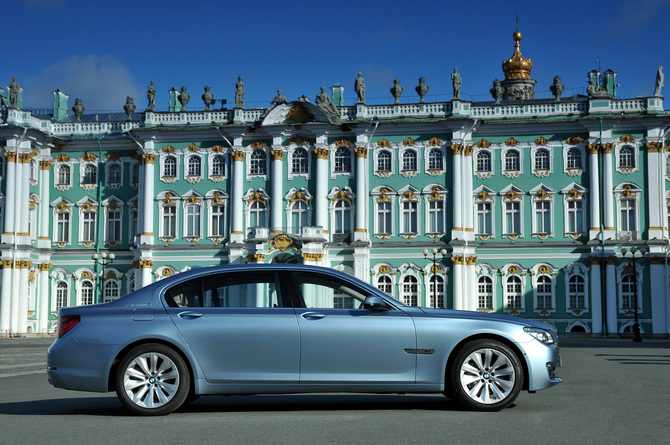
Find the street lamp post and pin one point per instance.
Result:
(433, 252)
(103, 260)
(636, 324)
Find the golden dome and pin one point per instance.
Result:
(517, 67)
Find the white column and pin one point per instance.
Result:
(145, 275)
(361, 233)
(22, 297)
(659, 298)
(457, 276)
(608, 191)
(14, 297)
(10, 198)
(596, 297)
(43, 240)
(457, 209)
(655, 194)
(594, 194)
(470, 285)
(147, 229)
(24, 202)
(611, 307)
(321, 196)
(236, 201)
(43, 297)
(468, 198)
(277, 212)
(6, 297)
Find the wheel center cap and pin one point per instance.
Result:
(486, 375)
(152, 380)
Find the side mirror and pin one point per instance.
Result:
(375, 303)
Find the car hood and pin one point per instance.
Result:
(474, 315)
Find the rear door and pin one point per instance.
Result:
(341, 343)
(240, 326)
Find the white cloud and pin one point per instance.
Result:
(101, 82)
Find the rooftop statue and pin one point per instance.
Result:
(456, 84)
(129, 108)
(594, 90)
(208, 98)
(239, 93)
(557, 88)
(359, 88)
(422, 90)
(327, 106)
(14, 90)
(396, 91)
(497, 91)
(184, 98)
(659, 81)
(278, 99)
(151, 95)
(78, 109)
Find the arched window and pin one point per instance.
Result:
(513, 292)
(485, 294)
(436, 289)
(218, 166)
(512, 161)
(543, 292)
(170, 167)
(342, 216)
(258, 162)
(384, 161)
(89, 177)
(257, 212)
(297, 216)
(542, 159)
(111, 291)
(435, 159)
(576, 293)
(409, 158)
(385, 284)
(342, 160)
(86, 292)
(114, 172)
(410, 290)
(63, 175)
(194, 166)
(626, 157)
(628, 292)
(135, 174)
(61, 295)
(574, 159)
(299, 161)
(483, 162)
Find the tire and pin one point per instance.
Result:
(152, 380)
(485, 376)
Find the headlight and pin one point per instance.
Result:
(541, 335)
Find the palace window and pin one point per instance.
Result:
(628, 292)
(135, 174)
(257, 214)
(484, 218)
(435, 159)
(258, 162)
(343, 216)
(543, 292)
(410, 290)
(114, 175)
(483, 162)
(113, 225)
(111, 292)
(134, 223)
(576, 292)
(628, 215)
(513, 292)
(542, 160)
(217, 218)
(574, 159)
(61, 295)
(409, 161)
(169, 226)
(384, 218)
(194, 166)
(297, 216)
(63, 177)
(626, 157)
(218, 165)
(193, 214)
(512, 218)
(170, 167)
(409, 217)
(88, 226)
(86, 292)
(436, 216)
(342, 160)
(385, 284)
(485, 294)
(512, 161)
(299, 161)
(436, 280)
(543, 217)
(384, 161)
(62, 234)
(89, 176)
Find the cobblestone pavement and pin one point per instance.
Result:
(24, 355)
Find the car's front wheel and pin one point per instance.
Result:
(152, 380)
(486, 376)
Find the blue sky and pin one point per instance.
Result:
(102, 51)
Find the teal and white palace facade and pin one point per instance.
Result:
(523, 205)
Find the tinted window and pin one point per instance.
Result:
(324, 292)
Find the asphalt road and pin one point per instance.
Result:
(614, 392)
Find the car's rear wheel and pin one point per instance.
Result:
(486, 376)
(152, 380)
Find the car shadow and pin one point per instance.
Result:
(110, 406)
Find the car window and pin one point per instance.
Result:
(227, 290)
(325, 292)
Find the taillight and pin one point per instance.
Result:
(67, 322)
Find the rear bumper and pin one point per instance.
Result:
(77, 366)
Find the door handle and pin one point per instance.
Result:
(312, 315)
(189, 315)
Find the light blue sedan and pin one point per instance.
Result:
(278, 328)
